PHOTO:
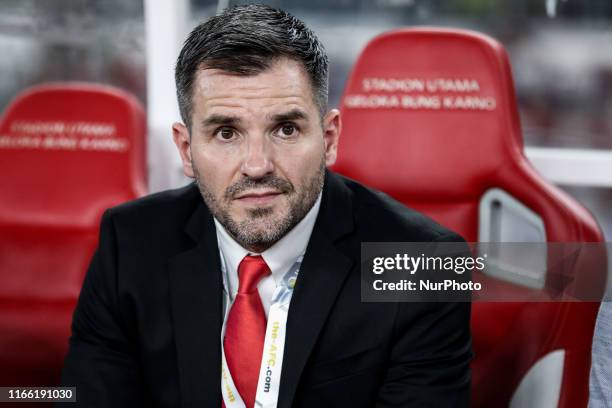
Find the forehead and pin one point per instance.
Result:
(284, 83)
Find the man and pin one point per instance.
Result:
(246, 286)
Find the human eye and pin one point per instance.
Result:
(225, 134)
(287, 131)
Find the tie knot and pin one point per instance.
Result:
(250, 271)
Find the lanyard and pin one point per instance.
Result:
(268, 384)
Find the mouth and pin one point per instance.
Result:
(258, 197)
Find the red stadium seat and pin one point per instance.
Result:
(430, 117)
(67, 152)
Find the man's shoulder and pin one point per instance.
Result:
(379, 217)
(164, 210)
(183, 198)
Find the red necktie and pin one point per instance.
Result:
(246, 328)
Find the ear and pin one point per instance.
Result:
(332, 126)
(180, 134)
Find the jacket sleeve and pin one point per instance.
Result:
(101, 361)
(429, 362)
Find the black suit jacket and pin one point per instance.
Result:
(146, 330)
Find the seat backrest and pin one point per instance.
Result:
(430, 117)
(66, 151)
(438, 109)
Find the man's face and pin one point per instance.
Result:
(258, 149)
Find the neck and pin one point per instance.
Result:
(258, 248)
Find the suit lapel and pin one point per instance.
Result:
(196, 302)
(322, 275)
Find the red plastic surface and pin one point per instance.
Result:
(68, 151)
(440, 159)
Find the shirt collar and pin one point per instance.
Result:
(279, 257)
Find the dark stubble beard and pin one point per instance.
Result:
(260, 230)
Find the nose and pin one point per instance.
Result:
(258, 161)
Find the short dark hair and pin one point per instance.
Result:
(246, 40)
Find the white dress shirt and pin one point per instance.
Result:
(280, 257)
